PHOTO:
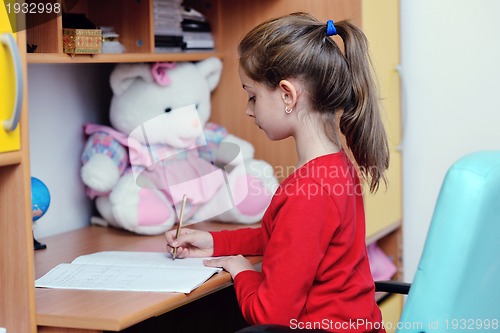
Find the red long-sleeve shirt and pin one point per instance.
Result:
(315, 269)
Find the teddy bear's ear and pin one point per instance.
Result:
(211, 70)
(124, 75)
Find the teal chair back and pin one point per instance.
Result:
(457, 285)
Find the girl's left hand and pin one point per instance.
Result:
(232, 264)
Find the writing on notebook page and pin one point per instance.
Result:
(128, 271)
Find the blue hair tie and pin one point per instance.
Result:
(330, 28)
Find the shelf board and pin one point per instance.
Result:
(382, 233)
(51, 58)
(10, 158)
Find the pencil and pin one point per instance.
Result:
(179, 224)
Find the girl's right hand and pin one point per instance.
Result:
(190, 243)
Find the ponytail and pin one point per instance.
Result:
(299, 46)
(361, 122)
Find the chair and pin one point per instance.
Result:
(457, 285)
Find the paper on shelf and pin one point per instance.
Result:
(129, 271)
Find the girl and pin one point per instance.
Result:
(315, 269)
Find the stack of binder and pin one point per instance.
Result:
(167, 25)
(196, 31)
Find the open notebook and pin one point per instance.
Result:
(129, 271)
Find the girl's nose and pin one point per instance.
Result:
(249, 112)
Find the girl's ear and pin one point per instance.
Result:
(289, 93)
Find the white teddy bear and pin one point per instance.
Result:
(161, 147)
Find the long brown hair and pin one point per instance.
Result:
(296, 46)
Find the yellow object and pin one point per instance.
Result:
(179, 224)
(391, 310)
(9, 139)
(381, 26)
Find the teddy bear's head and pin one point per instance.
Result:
(142, 92)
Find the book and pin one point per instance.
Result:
(167, 18)
(198, 40)
(197, 34)
(129, 271)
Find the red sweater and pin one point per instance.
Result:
(315, 269)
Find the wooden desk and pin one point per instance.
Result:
(92, 311)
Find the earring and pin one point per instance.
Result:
(287, 110)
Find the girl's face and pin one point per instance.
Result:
(267, 107)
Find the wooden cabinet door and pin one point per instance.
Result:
(384, 209)
(17, 294)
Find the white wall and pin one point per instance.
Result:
(61, 99)
(451, 88)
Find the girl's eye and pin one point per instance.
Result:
(251, 99)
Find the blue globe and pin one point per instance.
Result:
(40, 198)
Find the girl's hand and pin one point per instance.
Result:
(191, 243)
(233, 264)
